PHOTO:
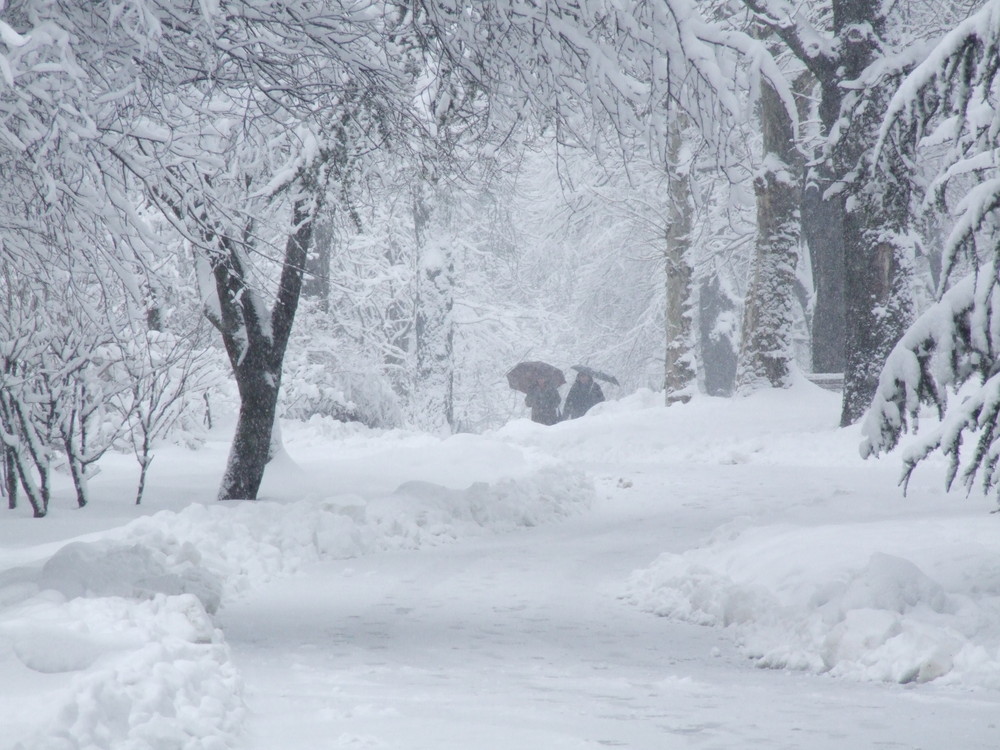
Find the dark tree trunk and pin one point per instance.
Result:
(878, 256)
(10, 476)
(78, 472)
(857, 26)
(718, 350)
(252, 442)
(822, 230)
(880, 309)
(28, 455)
(256, 349)
(821, 215)
(823, 225)
(879, 290)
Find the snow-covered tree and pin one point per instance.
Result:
(949, 103)
(856, 221)
(680, 368)
(231, 135)
(766, 354)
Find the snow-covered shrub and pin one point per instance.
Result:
(167, 380)
(318, 382)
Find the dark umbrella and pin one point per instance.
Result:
(596, 374)
(525, 376)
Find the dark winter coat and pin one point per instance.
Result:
(582, 395)
(544, 403)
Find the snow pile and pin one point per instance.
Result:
(771, 427)
(900, 601)
(151, 674)
(129, 614)
(246, 544)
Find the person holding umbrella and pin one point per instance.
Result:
(544, 400)
(539, 381)
(585, 392)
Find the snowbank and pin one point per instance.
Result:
(900, 600)
(128, 616)
(775, 427)
(151, 674)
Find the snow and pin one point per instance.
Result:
(616, 580)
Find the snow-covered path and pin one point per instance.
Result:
(614, 581)
(521, 641)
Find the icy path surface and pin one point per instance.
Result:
(521, 641)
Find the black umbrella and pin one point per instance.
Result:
(596, 374)
(527, 376)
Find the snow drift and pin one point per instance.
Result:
(899, 601)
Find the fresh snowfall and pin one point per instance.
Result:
(726, 573)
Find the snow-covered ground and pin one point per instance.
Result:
(616, 581)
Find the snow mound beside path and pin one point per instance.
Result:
(129, 615)
(899, 601)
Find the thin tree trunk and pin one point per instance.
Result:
(144, 463)
(79, 474)
(10, 476)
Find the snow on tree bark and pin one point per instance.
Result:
(718, 331)
(766, 357)
(434, 340)
(679, 372)
(256, 348)
(879, 252)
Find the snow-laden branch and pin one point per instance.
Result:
(957, 340)
(950, 100)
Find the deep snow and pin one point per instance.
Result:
(618, 580)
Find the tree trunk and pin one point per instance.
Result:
(78, 472)
(822, 230)
(256, 350)
(248, 456)
(434, 335)
(880, 254)
(433, 332)
(717, 327)
(880, 309)
(679, 372)
(877, 245)
(316, 283)
(10, 484)
(766, 347)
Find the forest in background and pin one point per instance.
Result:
(370, 210)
